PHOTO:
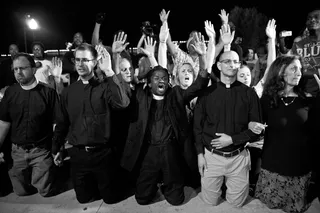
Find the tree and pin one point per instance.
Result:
(250, 24)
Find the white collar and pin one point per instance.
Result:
(31, 86)
(157, 97)
(86, 81)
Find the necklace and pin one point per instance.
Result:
(287, 104)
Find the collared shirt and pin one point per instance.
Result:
(31, 110)
(226, 110)
(86, 111)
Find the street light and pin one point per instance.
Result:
(32, 25)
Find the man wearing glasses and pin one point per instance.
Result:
(85, 119)
(221, 119)
(29, 108)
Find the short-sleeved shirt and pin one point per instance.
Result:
(30, 112)
(309, 49)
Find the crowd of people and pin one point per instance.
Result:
(215, 115)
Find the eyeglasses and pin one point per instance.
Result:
(16, 69)
(229, 62)
(84, 60)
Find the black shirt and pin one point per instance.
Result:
(86, 111)
(159, 129)
(31, 113)
(226, 110)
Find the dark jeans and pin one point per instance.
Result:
(31, 169)
(95, 175)
(161, 163)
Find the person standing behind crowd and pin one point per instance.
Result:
(309, 48)
(6, 75)
(222, 114)
(289, 139)
(45, 67)
(86, 107)
(29, 108)
(68, 64)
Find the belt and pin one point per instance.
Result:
(228, 154)
(91, 148)
(30, 146)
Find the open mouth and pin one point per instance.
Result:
(161, 87)
(186, 78)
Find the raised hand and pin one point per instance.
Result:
(271, 29)
(164, 15)
(199, 45)
(56, 67)
(224, 17)
(208, 26)
(226, 36)
(119, 42)
(164, 32)
(104, 60)
(149, 46)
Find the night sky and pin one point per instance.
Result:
(59, 20)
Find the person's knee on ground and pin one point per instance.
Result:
(87, 199)
(174, 194)
(237, 199)
(144, 200)
(20, 191)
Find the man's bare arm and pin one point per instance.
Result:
(4, 129)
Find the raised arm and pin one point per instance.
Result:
(96, 31)
(119, 44)
(210, 56)
(271, 33)
(224, 16)
(202, 79)
(171, 46)
(56, 72)
(149, 49)
(162, 50)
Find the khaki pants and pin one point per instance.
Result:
(235, 170)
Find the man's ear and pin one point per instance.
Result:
(219, 65)
(34, 70)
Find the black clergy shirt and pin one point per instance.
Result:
(85, 108)
(226, 110)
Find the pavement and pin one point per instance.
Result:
(66, 202)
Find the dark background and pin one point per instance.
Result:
(59, 20)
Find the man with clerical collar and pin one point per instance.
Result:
(159, 131)
(221, 118)
(29, 108)
(85, 122)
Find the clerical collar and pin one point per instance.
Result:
(157, 97)
(227, 85)
(86, 81)
(31, 86)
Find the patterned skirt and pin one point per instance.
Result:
(283, 192)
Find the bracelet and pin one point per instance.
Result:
(162, 41)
